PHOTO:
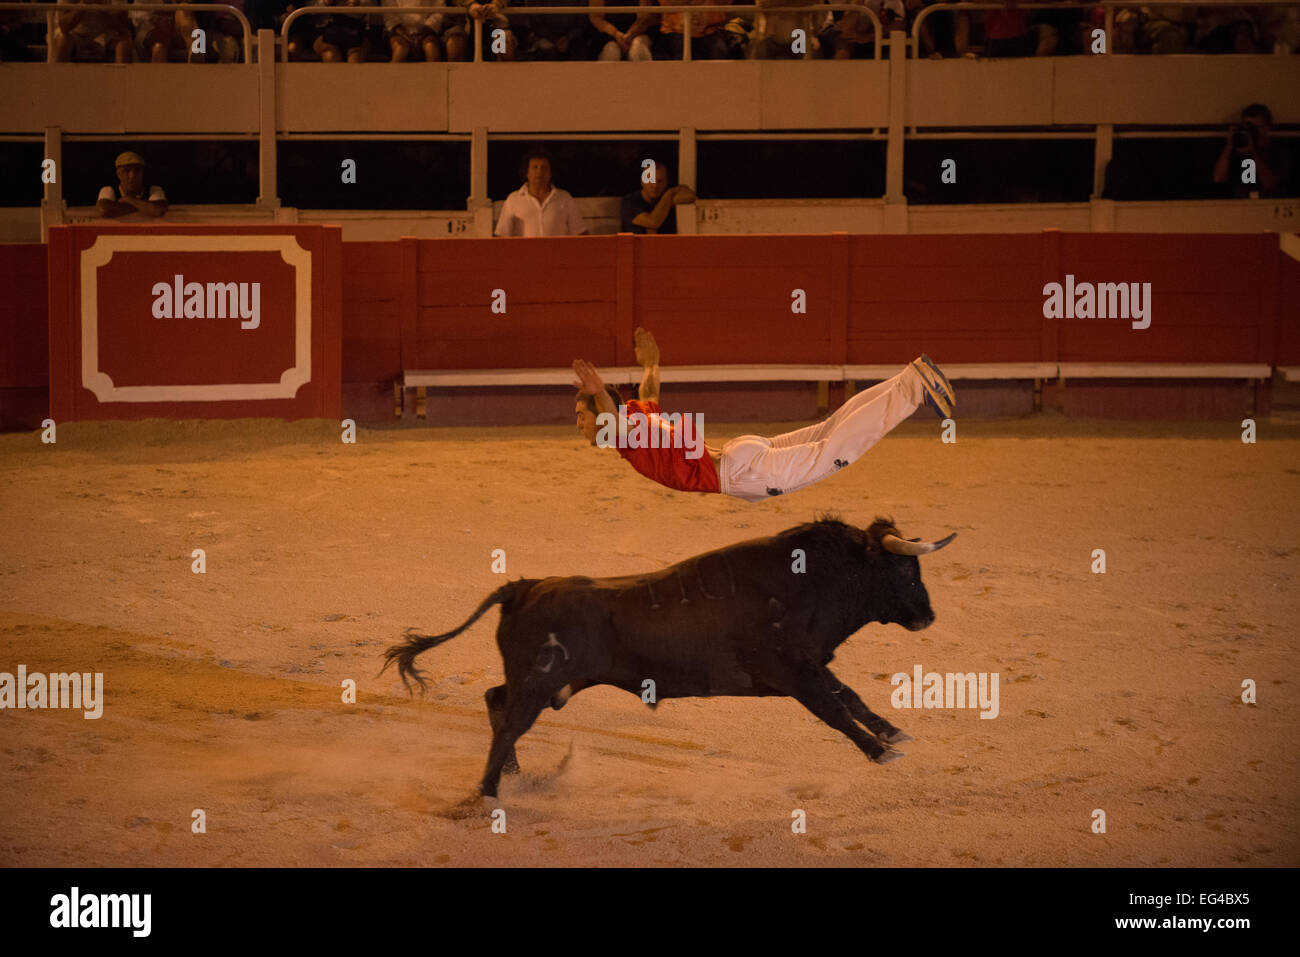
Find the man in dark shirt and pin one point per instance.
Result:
(650, 209)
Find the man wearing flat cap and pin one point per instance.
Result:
(129, 196)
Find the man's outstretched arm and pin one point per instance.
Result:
(647, 354)
(590, 383)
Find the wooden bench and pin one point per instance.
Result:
(423, 379)
(823, 375)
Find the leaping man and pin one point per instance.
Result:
(750, 467)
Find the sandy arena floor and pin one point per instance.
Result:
(1119, 691)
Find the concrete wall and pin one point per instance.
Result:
(575, 97)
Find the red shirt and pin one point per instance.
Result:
(667, 465)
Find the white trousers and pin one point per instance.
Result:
(755, 467)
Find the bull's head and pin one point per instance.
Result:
(904, 600)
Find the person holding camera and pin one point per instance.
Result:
(1251, 139)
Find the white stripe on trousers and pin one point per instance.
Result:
(756, 467)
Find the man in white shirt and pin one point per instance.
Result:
(129, 196)
(537, 208)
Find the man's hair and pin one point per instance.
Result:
(661, 169)
(537, 152)
(590, 400)
(1258, 109)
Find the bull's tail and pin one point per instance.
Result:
(404, 653)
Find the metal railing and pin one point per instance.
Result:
(1110, 6)
(50, 10)
(642, 13)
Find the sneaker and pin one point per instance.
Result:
(939, 394)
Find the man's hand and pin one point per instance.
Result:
(588, 380)
(647, 353)
(647, 350)
(683, 194)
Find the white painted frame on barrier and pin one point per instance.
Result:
(101, 252)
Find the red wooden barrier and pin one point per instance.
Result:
(727, 299)
(1287, 336)
(870, 299)
(372, 328)
(962, 298)
(24, 337)
(194, 322)
(1211, 297)
(710, 300)
(558, 296)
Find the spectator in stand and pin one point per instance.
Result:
(626, 35)
(1167, 28)
(558, 37)
(735, 33)
(342, 37)
(223, 33)
(1062, 31)
(537, 208)
(1252, 139)
(1006, 32)
(93, 36)
(707, 40)
(459, 36)
(1226, 30)
(1125, 35)
(942, 34)
(129, 197)
(653, 207)
(414, 35)
(271, 14)
(156, 39)
(773, 36)
(333, 38)
(302, 34)
(851, 35)
(1281, 28)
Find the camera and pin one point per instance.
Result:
(1244, 136)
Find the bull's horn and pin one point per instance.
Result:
(892, 543)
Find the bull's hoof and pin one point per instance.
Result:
(895, 737)
(884, 757)
(474, 806)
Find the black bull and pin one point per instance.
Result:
(757, 618)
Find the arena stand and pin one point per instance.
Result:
(963, 280)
